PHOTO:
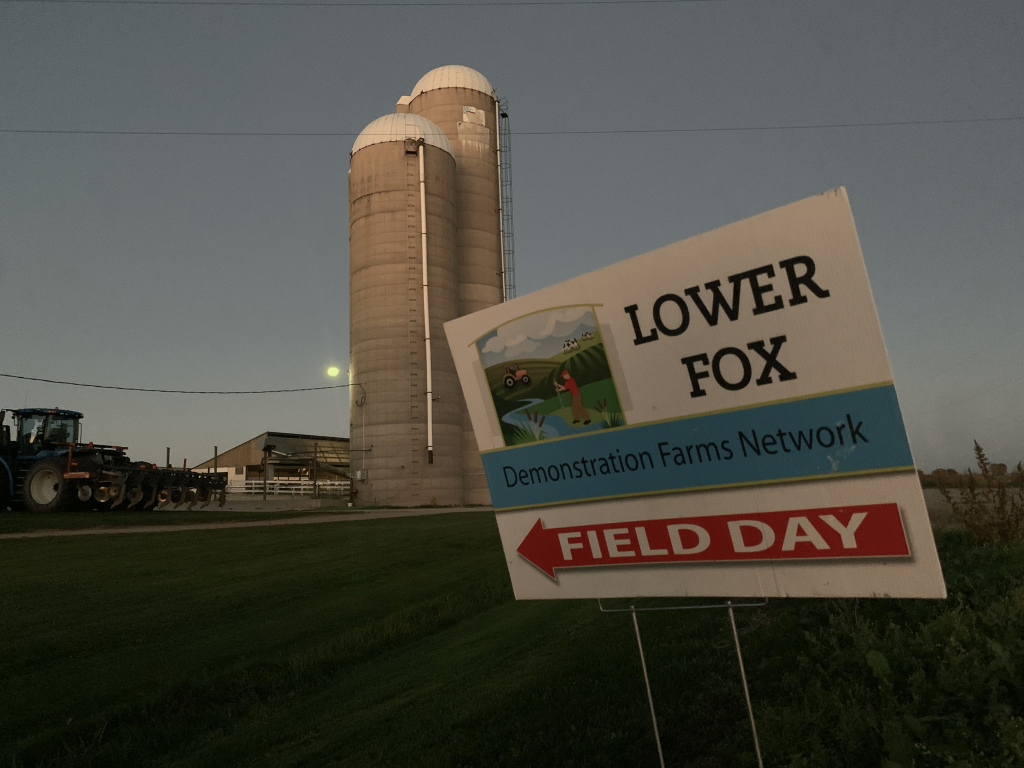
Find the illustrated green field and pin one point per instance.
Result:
(398, 643)
(540, 371)
(588, 366)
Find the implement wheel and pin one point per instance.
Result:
(148, 498)
(45, 488)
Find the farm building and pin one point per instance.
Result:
(288, 456)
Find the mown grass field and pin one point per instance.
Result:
(22, 522)
(397, 643)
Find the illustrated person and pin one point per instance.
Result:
(569, 385)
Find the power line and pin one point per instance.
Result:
(610, 131)
(315, 4)
(181, 391)
(959, 364)
(973, 396)
(797, 127)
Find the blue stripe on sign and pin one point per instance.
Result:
(831, 435)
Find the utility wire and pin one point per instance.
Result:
(960, 364)
(973, 396)
(798, 127)
(610, 131)
(182, 391)
(314, 3)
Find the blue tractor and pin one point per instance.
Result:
(45, 467)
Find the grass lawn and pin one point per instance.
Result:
(397, 643)
(22, 522)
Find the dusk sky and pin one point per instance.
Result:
(173, 193)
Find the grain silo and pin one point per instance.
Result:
(461, 102)
(402, 268)
(454, 110)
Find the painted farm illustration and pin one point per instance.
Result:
(549, 377)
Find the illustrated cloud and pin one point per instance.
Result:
(522, 336)
(541, 333)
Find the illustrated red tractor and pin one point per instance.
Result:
(514, 374)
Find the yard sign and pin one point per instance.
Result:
(716, 417)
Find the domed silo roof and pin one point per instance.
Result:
(399, 127)
(453, 76)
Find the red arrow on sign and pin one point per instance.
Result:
(869, 530)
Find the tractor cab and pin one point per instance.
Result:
(38, 427)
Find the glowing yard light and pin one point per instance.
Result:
(333, 371)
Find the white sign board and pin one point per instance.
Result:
(716, 417)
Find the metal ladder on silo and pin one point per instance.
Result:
(505, 163)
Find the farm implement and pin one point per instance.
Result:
(46, 468)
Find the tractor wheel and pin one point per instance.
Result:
(5, 488)
(526, 381)
(45, 488)
(509, 382)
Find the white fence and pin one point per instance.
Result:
(292, 488)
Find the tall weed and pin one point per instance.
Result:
(986, 504)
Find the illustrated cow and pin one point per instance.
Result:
(570, 344)
(586, 335)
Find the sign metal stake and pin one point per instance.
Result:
(746, 690)
(739, 655)
(647, 682)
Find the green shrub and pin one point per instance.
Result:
(986, 504)
(909, 683)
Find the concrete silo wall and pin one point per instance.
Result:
(473, 136)
(386, 326)
(468, 119)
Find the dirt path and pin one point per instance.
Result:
(305, 520)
